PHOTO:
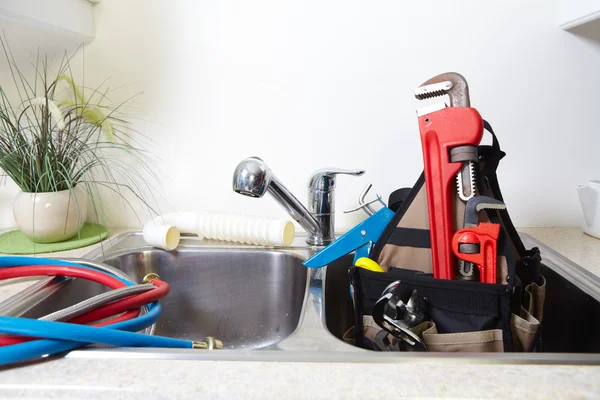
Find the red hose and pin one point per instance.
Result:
(129, 305)
(53, 270)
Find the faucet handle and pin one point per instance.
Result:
(323, 179)
(321, 200)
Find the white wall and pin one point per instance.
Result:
(308, 84)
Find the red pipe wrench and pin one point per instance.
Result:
(477, 242)
(478, 246)
(449, 137)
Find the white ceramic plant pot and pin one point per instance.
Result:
(51, 217)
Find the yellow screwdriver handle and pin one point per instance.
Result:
(368, 264)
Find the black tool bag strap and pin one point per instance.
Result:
(529, 267)
(359, 296)
(529, 261)
(504, 239)
(413, 237)
(491, 156)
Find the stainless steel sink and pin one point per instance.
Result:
(247, 298)
(265, 305)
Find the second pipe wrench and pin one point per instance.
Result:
(477, 242)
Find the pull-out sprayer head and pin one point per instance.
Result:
(252, 177)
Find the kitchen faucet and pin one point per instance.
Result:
(254, 178)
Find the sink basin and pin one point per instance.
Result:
(246, 298)
(266, 301)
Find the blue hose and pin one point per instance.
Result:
(63, 337)
(17, 261)
(85, 334)
(39, 348)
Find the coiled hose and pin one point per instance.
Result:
(47, 336)
(96, 301)
(111, 270)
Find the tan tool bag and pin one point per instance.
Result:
(463, 315)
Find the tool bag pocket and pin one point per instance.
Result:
(526, 323)
(464, 315)
(489, 341)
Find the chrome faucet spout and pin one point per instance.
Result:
(254, 178)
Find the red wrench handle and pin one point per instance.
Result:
(440, 132)
(486, 235)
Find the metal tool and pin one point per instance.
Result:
(396, 317)
(477, 242)
(359, 239)
(449, 138)
(466, 184)
(366, 205)
(362, 203)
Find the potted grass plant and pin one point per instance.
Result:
(60, 143)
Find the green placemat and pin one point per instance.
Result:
(14, 242)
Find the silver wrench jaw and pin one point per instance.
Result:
(467, 188)
(475, 205)
(451, 83)
(433, 90)
(465, 179)
(465, 271)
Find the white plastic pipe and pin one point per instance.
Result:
(164, 231)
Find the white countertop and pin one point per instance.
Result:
(101, 378)
(571, 243)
